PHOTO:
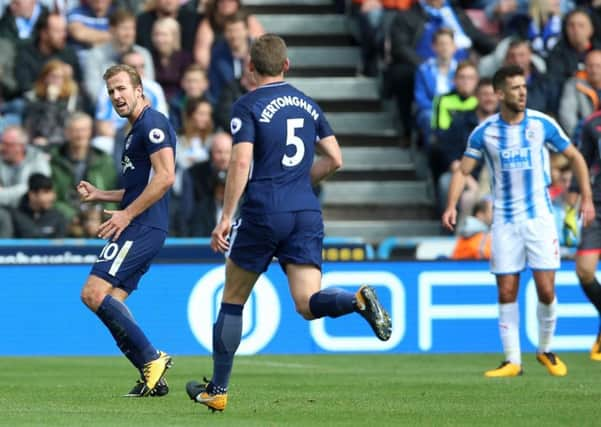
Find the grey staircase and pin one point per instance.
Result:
(378, 192)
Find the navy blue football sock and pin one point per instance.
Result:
(332, 302)
(128, 335)
(593, 293)
(227, 332)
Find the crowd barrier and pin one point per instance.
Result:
(437, 307)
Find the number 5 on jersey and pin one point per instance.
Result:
(292, 139)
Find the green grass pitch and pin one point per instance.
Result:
(325, 390)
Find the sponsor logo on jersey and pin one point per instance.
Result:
(516, 158)
(126, 164)
(156, 136)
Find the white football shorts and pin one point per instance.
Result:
(533, 242)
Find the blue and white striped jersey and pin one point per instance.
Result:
(518, 160)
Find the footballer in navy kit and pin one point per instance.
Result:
(136, 232)
(277, 131)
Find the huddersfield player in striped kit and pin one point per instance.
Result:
(515, 143)
(136, 231)
(277, 129)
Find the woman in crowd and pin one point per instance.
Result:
(170, 61)
(55, 95)
(193, 143)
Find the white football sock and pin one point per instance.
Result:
(547, 319)
(509, 328)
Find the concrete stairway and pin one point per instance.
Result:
(378, 193)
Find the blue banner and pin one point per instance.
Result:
(435, 307)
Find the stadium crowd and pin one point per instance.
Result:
(57, 121)
(434, 57)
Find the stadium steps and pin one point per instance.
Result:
(327, 29)
(341, 94)
(379, 192)
(375, 163)
(400, 193)
(317, 61)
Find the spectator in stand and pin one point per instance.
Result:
(86, 223)
(460, 98)
(18, 161)
(540, 24)
(208, 179)
(195, 85)
(108, 122)
(77, 160)
(564, 211)
(229, 55)
(543, 93)
(473, 234)
(535, 20)
(373, 19)
(187, 16)
(169, 59)
(50, 43)
(122, 27)
(193, 144)
(411, 44)
(212, 28)
(580, 97)
(229, 94)
(434, 77)
(444, 156)
(35, 216)
(566, 59)
(54, 96)
(89, 26)
(18, 23)
(11, 106)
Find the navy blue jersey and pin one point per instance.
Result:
(150, 133)
(283, 124)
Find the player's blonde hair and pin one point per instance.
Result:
(268, 55)
(113, 70)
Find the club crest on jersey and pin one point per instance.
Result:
(126, 164)
(530, 135)
(235, 125)
(128, 142)
(156, 136)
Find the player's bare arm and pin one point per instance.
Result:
(163, 164)
(329, 162)
(237, 178)
(467, 165)
(89, 193)
(580, 169)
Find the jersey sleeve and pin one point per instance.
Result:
(555, 137)
(242, 125)
(158, 134)
(323, 126)
(588, 142)
(475, 144)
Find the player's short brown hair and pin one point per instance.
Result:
(268, 55)
(113, 70)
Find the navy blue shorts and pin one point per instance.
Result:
(292, 237)
(123, 262)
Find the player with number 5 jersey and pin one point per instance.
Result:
(277, 131)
